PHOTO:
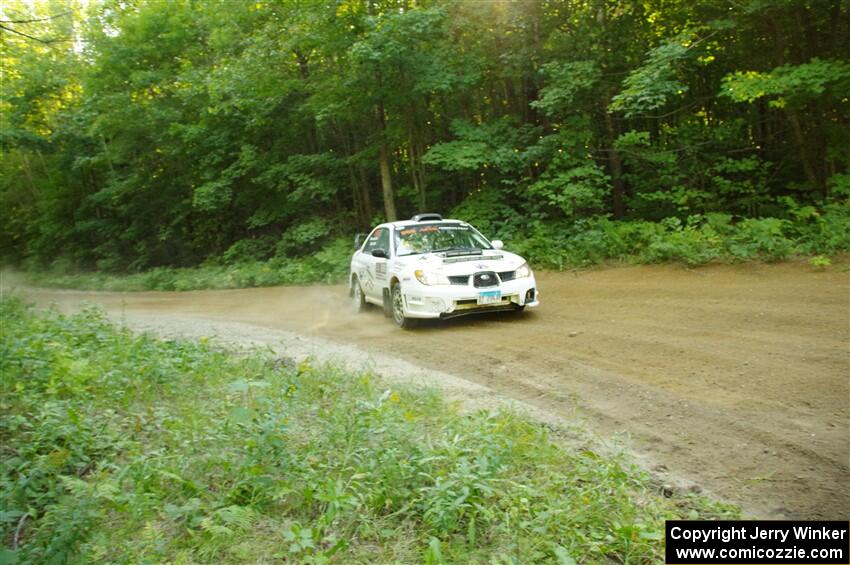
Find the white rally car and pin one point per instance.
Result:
(428, 267)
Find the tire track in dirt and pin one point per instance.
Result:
(734, 377)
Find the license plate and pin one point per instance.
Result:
(490, 297)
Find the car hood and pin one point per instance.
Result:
(449, 265)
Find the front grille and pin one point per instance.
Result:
(507, 276)
(462, 280)
(467, 304)
(485, 279)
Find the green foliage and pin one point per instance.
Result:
(654, 84)
(789, 84)
(301, 239)
(826, 232)
(565, 82)
(550, 244)
(235, 269)
(698, 240)
(820, 262)
(107, 458)
(212, 195)
(839, 185)
(479, 146)
(164, 135)
(488, 209)
(576, 191)
(247, 250)
(764, 238)
(676, 175)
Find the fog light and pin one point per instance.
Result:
(529, 296)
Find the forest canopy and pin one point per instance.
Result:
(137, 134)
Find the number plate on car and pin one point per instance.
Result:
(490, 297)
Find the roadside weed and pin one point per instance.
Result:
(125, 448)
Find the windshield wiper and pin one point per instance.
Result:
(457, 250)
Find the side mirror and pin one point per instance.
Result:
(382, 253)
(359, 239)
(497, 244)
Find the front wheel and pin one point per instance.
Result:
(398, 309)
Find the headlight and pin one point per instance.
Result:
(523, 271)
(429, 278)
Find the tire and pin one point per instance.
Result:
(397, 302)
(357, 298)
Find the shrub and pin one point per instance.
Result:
(546, 244)
(254, 249)
(763, 238)
(699, 240)
(488, 210)
(303, 238)
(827, 232)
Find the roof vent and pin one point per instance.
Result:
(427, 218)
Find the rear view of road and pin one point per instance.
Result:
(734, 377)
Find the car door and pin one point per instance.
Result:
(379, 266)
(372, 271)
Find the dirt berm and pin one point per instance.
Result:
(733, 377)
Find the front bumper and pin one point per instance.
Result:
(448, 301)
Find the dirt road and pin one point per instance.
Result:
(735, 377)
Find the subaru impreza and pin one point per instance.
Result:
(430, 267)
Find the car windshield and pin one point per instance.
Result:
(429, 238)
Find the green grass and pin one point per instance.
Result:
(242, 275)
(328, 265)
(129, 449)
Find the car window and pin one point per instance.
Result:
(426, 238)
(378, 239)
(384, 240)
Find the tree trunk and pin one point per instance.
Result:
(356, 201)
(779, 49)
(359, 203)
(420, 173)
(387, 183)
(416, 174)
(106, 154)
(799, 136)
(304, 72)
(415, 152)
(384, 165)
(28, 171)
(366, 196)
(615, 164)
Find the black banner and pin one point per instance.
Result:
(758, 542)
